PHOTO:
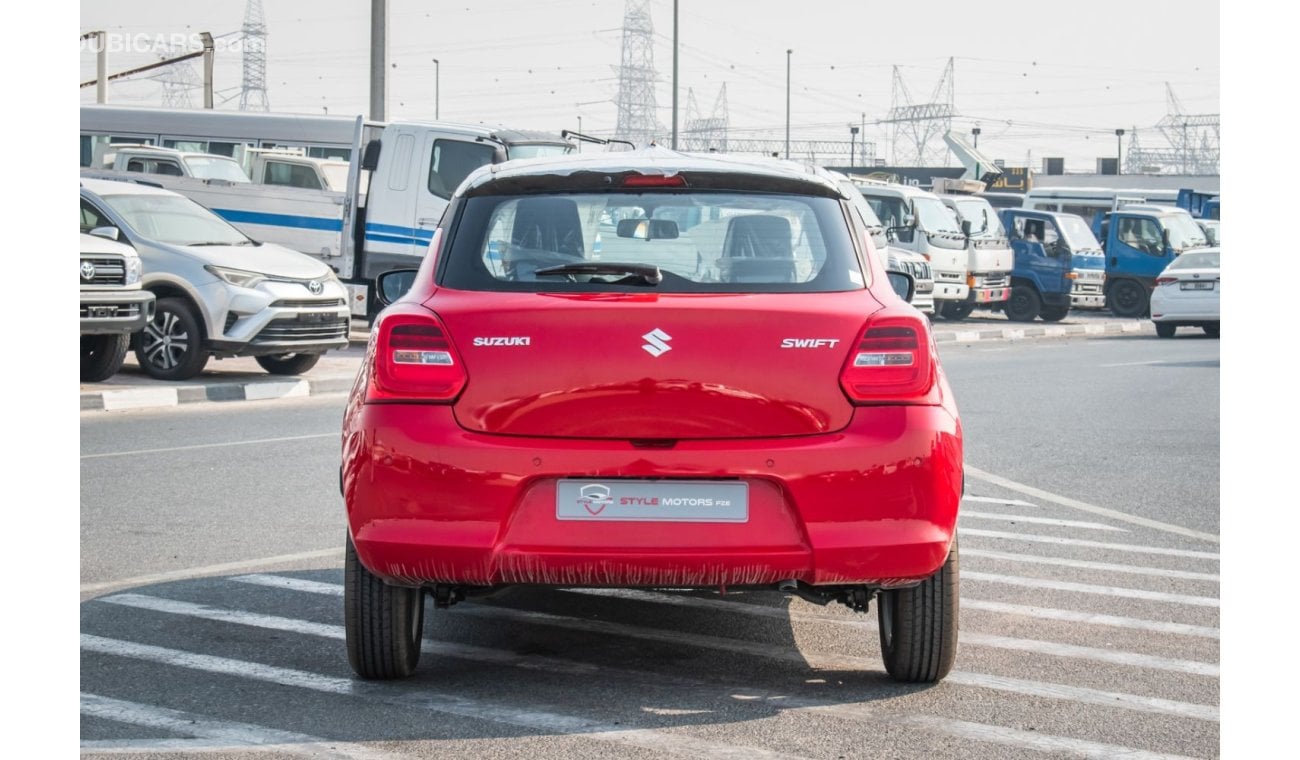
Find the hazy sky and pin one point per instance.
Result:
(1039, 78)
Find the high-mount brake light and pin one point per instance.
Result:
(891, 362)
(415, 361)
(654, 180)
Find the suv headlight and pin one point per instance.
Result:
(237, 277)
(134, 269)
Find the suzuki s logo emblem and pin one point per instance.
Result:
(594, 498)
(316, 287)
(87, 271)
(656, 342)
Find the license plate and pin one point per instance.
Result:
(315, 316)
(1197, 286)
(652, 501)
(102, 312)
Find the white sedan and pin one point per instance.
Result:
(1187, 294)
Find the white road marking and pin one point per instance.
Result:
(223, 733)
(210, 445)
(1034, 739)
(136, 398)
(1133, 364)
(1087, 588)
(998, 500)
(1090, 618)
(554, 664)
(1133, 548)
(1155, 572)
(285, 389)
(199, 572)
(967, 513)
(449, 704)
(1066, 501)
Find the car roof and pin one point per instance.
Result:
(121, 187)
(654, 161)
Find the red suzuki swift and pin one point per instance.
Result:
(651, 369)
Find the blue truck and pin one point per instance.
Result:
(1058, 265)
(1139, 241)
(1199, 205)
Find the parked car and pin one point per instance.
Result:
(1211, 229)
(1187, 294)
(113, 305)
(771, 416)
(219, 293)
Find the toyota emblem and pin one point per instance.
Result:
(316, 287)
(87, 270)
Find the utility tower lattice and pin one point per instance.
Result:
(177, 80)
(636, 77)
(705, 133)
(252, 96)
(917, 129)
(1193, 141)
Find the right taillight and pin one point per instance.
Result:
(1166, 280)
(415, 361)
(891, 363)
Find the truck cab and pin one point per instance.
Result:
(989, 257)
(292, 168)
(169, 162)
(1058, 265)
(916, 220)
(1139, 241)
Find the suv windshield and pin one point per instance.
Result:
(701, 242)
(204, 167)
(174, 219)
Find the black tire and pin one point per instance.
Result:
(1165, 330)
(171, 347)
(288, 364)
(1128, 298)
(918, 625)
(1211, 330)
(955, 311)
(1054, 313)
(102, 355)
(383, 624)
(1024, 304)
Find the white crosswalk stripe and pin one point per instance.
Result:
(970, 514)
(1154, 572)
(1086, 544)
(1088, 588)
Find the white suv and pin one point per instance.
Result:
(219, 293)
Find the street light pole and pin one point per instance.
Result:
(1119, 151)
(437, 88)
(674, 75)
(787, 102)
(853, 138)
(581, 133)
(975, 132)
(378, 58)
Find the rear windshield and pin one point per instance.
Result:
(700, 241)
(1196, 260)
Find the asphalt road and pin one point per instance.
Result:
(1090, 598)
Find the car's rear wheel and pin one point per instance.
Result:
(288, 364)
(1053, 313)
(1211, 330)
(918, 625)
(955, 311)
(1023, 305)
(102, 355)
(1165, 330)
(171, 346)
(383, 624)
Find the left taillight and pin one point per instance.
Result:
(1166, 280)
(415, 361)
(891, 363)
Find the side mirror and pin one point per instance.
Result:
(108, 233)
(1164, 237)
(370, 156)
(391, 286)
(965, 227)
(903, 285)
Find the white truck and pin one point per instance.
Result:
(400, 178)
(988, 249)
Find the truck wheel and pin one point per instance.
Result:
(383, 624)
(1024, 304)
(1054, 313)
(1165, 330)
(918, 625)
(102, 355)
(288, 364)
(1127, 298)
(955, 311)
(171, 346)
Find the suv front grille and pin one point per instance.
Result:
(109, 270)
(292, 329)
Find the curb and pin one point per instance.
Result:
(161, 396)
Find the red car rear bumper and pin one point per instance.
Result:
(431, 503)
